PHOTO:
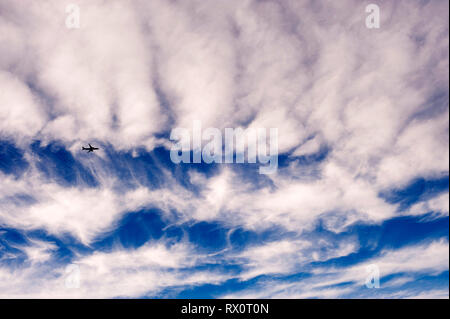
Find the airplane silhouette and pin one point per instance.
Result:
(89, 149)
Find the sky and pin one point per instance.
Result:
(362, 185)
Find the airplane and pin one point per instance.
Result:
(89, 149)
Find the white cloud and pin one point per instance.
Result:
(38, 251)
(429, 258)
(439, 205)
(21, 114)
(121, 273)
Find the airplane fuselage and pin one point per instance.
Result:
(89, 149)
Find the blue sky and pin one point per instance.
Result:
(363, 173)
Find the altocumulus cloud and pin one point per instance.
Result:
(363, 132)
